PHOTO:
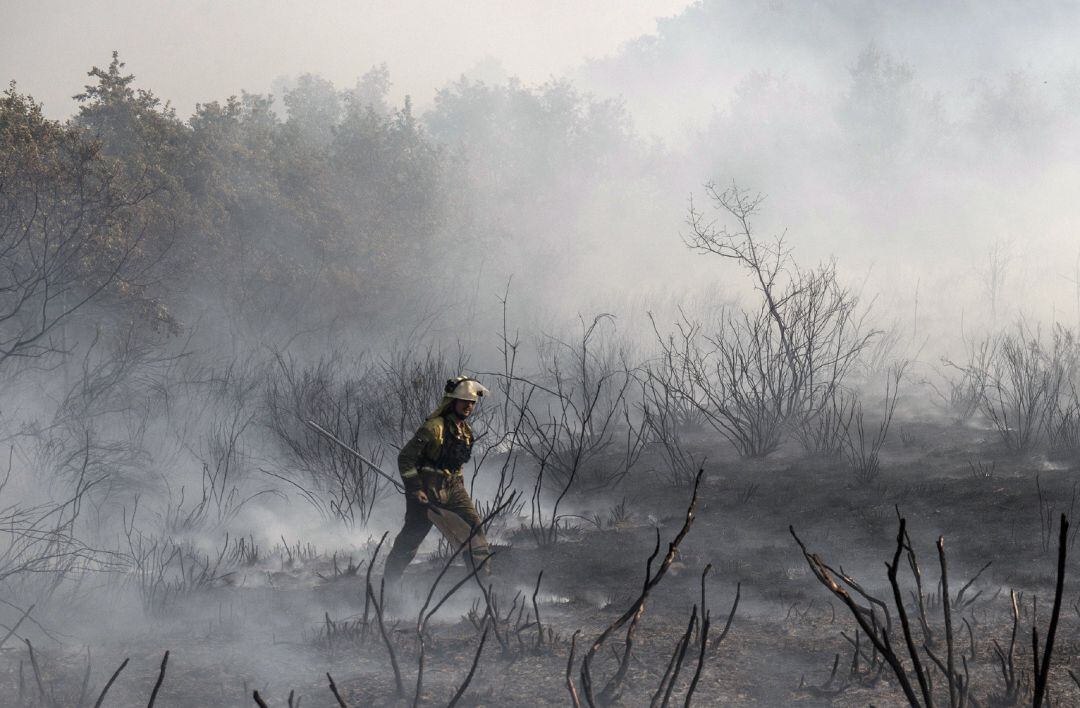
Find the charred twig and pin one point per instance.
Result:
(826, 689)
(854, 655)
(701, 656)
(421, 626)
(367, 599)
(1008, 665)
(536, 612)
(946, 604)
(108, 685)
(1035, 651)
(472, 671)
(259, 700)
(704, 573)
(37, 675)
(866, 618)
(971, 639)
(959, 601)
(333, 689)
(965, 684)
(491, 613)
(425, 615)
(667, 673)
(675, 665)
(960, 682)
(15, 626)
(85, 682)
(916, 571)
(1043, 664)
(920, 675)
(730, 617)
(160, 679)
(633, 614)
(386, 638)
(860, 653)
(574, 698)
(854, 585)
(832, 674)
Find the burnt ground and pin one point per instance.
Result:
(281, 625)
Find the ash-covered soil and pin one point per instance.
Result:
(285, 621)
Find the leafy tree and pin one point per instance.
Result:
(314, 108)
(391, 176)
(237, 204)
(1013, 116)
(885, 111)
(148, 144)
(69, 232)
(307, 217)
(527, 163)
(371, 92)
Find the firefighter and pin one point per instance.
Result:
(430, 466)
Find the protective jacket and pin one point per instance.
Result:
(436, 453)
(431, 461)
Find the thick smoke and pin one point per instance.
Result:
(181, 293)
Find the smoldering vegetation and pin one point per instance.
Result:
(723, 462)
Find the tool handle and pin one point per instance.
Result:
(330, 436)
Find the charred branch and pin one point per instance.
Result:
(472, 671)
(1043, 663)
(633, 614)
(160, 680)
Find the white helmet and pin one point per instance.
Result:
(465, 389)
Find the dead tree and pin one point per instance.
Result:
(963, 394)
(570, 412)
(332, 480)
(40, 544)
(1024, 383)
(861, 450)
(666, 415)
(569, 422)
(761, 370)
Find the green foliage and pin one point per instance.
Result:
(146, 143)
(344, 207)
(260, 216)
(522, 140)
(69, 228)
(533, 165)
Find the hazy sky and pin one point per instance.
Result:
(201, 50)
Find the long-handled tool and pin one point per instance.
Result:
(351, 450)
(453, 527)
